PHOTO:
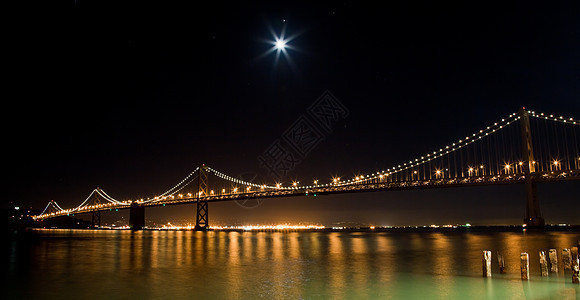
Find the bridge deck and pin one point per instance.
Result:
(503, 179)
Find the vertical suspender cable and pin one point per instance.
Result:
(574, 147)
(566, 146)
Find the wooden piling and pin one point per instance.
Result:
(525, 266)
(575, 266)
(553, 256)
(566, 259)
(576, 273)
(486, 263)
(501, 263)
(543, 264)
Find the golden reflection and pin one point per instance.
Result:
(277, 246)
(92, 252)
(294, 265)
(261, 249)
(247, 249)
(385, 264)
(293, 245)
(122, 259)
(359, 264)
(511, 248)
(474, 247)
(155, 249)
(318, 252)
(416, 251)
(383, 243)
(187, 242)
(164, 243)
(281, 270)
(315, 245)
(336, 264)
(198, 254)
(440, 249)
(442, 262)
(222, 238)
(233, 276)
(210, 248)
(234, 247)
(137, 250)
(178, 246)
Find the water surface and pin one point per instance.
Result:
(101, 264)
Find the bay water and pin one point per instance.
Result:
(150, 264)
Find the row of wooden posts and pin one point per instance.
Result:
(569, 260)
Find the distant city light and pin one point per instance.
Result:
(269, 227)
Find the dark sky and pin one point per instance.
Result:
(132, 96)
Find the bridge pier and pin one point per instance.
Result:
(533, 214)
(201, 223)
(136, 216)
(96, 219)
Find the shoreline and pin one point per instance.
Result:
(402, 229)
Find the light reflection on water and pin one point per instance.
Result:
(280, 265)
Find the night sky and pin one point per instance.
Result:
(131, 97)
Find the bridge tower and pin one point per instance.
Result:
(96, 214)
(201, 219)
(533, 214)
(51, 208)
(96, 219)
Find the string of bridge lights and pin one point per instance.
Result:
(86, 200)
(45, 208)
(172, 190)
(554, 118)
(103, 195)
(442, 151)
(405, 166)
(177, 188)
(246, 183)
(57, 206)
(402, 167)
(53, 204)
(82, 205)
(108, 198)
(462, 143)
(171, 196)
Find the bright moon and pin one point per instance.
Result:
(280, 44)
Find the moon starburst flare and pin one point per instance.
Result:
(280, 44)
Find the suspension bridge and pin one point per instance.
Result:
(524, 148)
